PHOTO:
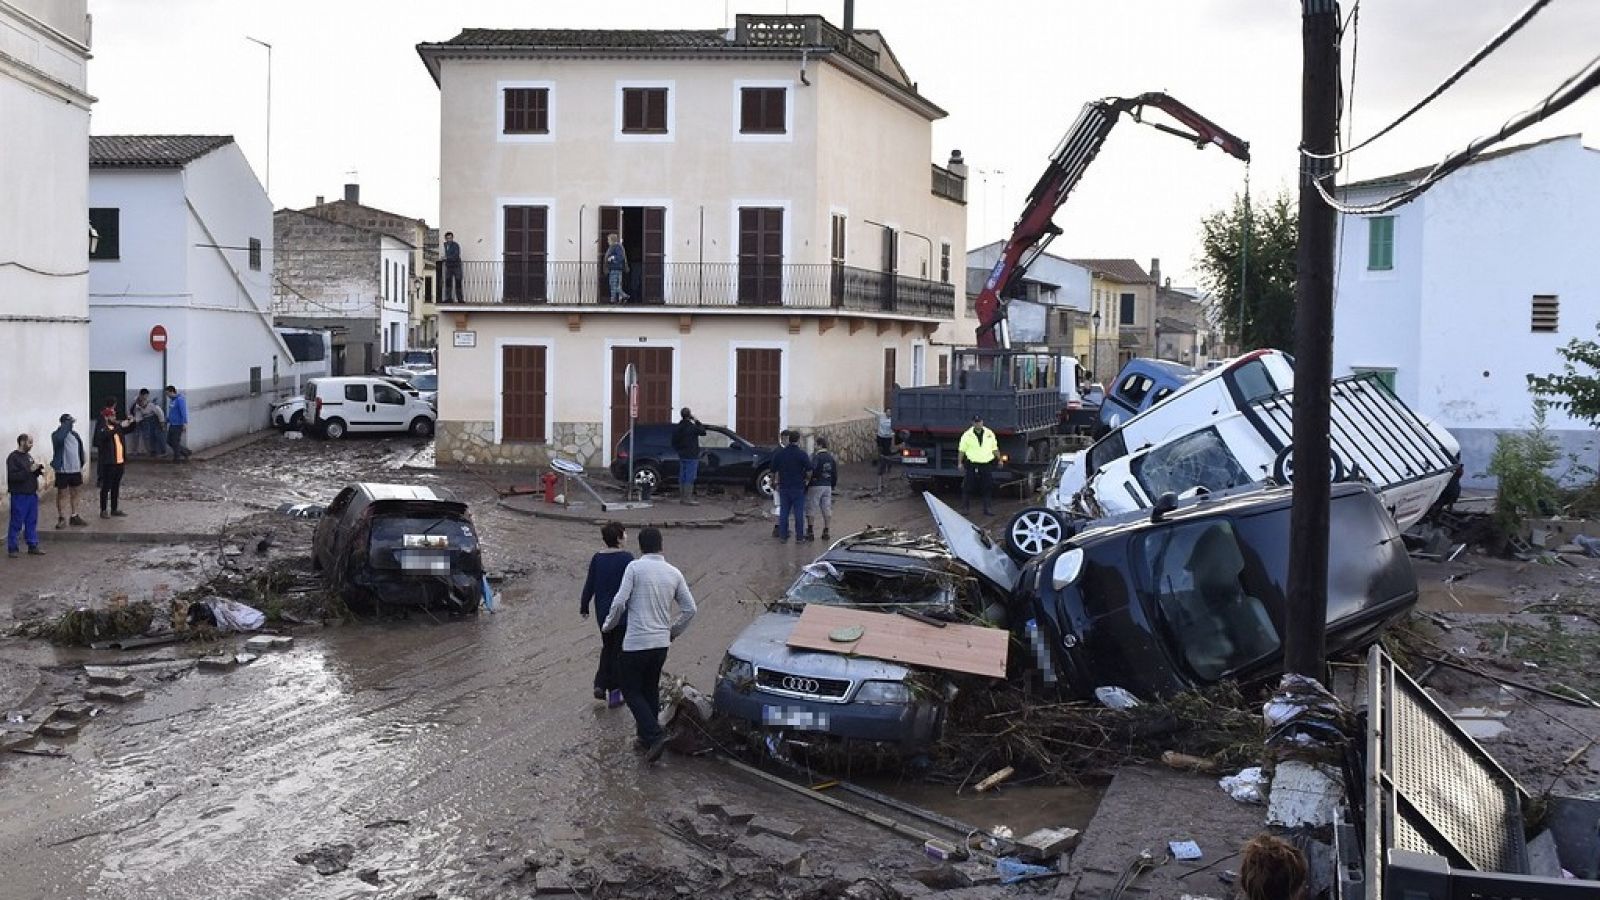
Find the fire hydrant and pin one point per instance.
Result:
(548, 481)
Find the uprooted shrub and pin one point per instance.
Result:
(1521, 462)
(83, 627)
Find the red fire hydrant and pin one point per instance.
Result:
(549, 480)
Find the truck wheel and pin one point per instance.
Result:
(1033, 531)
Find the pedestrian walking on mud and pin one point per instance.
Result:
(149, 435)
(109, 446)
(22, 483)
(978, 452)
(686, 443)
(791, 467)
(650, 586)
(819, 492)
(177, 424)
(605, 576)
(67, 458)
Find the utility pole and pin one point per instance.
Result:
(269, 108)
(1307, 615)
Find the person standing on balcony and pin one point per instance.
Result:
(452, 269)
(686, 442)
(616, 268)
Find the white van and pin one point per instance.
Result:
(338, 405)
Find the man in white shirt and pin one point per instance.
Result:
(650, 586)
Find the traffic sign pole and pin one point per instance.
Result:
(630, 383)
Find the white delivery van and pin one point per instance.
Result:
(338, 405)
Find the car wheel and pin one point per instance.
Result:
(297, 421)
(766, 482)
(421, 427)
(1033, 531)
(334, 429)
(647, 476)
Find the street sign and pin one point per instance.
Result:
(633, 402)
(158, 339)
(630, 377)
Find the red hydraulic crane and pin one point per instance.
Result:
(1035, 229)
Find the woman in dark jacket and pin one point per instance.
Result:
(605, 576)
(113, 454)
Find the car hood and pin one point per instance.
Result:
(973, 546)
(764, 643)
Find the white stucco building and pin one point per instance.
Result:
(1458, 296)
(44, 232)
(793, 251)
(185, 242)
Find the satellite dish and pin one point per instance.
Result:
(566, 466)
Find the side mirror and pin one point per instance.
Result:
(1165, 504)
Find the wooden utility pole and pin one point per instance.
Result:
(1307, 616)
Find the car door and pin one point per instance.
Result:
(388, 408)
(725, 457)
(324, 543)
(356, 410)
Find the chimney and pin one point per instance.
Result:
(957, 164)
(849, 16)
(1155, 271)
(319, 199)
(352, 193)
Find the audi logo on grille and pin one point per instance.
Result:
(800, 685)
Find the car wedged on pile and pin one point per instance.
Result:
(765, 683)
(386, 546)
(1185, 596)
(725, 458)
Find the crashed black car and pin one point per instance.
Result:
(1184, 596)
(388, 546)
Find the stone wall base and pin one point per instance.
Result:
(473, 443)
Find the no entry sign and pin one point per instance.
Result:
(158, 339)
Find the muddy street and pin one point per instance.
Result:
(445, 754)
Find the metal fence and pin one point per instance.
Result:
(702, 285)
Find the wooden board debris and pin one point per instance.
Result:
(957, 648)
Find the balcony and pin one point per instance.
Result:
(729, 286)
(949, 185)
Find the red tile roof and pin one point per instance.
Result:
(1126, 271)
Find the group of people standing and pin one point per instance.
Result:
(805, 483)
(69, 460)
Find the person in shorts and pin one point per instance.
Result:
(67, 459)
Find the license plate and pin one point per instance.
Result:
(425, 560)
(794, 717)
(914, 460)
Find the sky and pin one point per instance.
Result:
(351, 101)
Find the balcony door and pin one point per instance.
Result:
(760, 256)
(525, 240)
(642, 230)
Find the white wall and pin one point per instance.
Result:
(44, 229)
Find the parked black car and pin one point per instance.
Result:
(725, 458)
(384, 546)
(1161, 602)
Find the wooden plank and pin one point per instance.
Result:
(956, 648)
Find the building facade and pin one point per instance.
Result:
(44, 232)
(792, 252)
(1123, 293)
(352, 280)
(184, 243)
(1457, 297)
(1052, 305)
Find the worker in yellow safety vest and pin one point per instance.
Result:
(978, 451)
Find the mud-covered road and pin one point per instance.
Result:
(445, 754)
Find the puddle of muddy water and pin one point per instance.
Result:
(1459, 597)
(1022, 809)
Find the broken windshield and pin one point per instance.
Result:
(1195, 460)
(880, 589)
(1198, 577)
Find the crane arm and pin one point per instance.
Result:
(1035, 228)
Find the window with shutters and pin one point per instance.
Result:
(526, 110)
(644, 110)
(944, 263)
(1380, 243)
(1546, 313)
(836, 241)
(522, 394)
(1127, 309)
(255, 254)
(763, 110)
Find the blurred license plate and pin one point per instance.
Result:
(794, 717)
(425, 560)
(914, 460)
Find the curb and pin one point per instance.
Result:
(622, 516)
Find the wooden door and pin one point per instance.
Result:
(652, 283)
(761, 256)
(522, 394)
(654, 366)
(526, 252)
(758, 384)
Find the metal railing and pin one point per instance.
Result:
(949, 185)
(700, 285)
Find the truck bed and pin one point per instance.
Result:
(947, 408)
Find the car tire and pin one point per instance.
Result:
(1034, 530)
(297, 421)
(766, 483)
(647, 475)
(334, 429)
(421, 427)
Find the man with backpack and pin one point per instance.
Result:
(819, 491)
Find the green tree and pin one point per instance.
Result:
(1266, 236)
(1521, 464)
(1576, 389)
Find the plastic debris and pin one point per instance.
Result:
(1249, 786)
(1115, 697)
(1184, 849)
(1013, 870)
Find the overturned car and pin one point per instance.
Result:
(387, 546)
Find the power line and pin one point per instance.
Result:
(1569, 92)
(1482, 54)
(27, 268)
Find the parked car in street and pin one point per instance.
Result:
(1190, 593)
(1141, 384)
(764, 683)
(411, 362)
(338, 405)
(288, 415)
(725, 458)
(426, 384)
(387, 546)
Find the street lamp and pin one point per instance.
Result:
(269, 108)
(1095, 342)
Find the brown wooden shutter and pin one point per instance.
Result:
(654, 367)
(888, 377)
(758, 393)
(654, 257)
(525, 242)
(522, 394)
(761, 256)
